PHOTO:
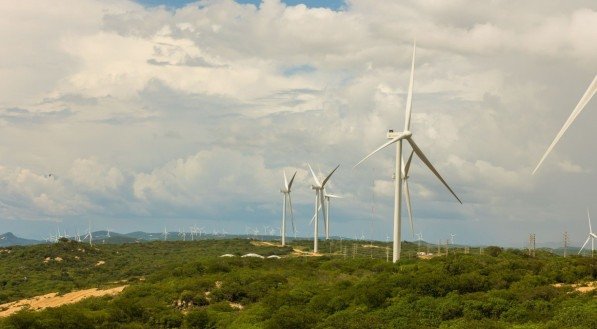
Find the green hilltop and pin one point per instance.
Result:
(176, 284)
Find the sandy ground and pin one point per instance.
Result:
(53, 300)
(264, 243)
(587, 287)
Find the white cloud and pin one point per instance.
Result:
(149, 112)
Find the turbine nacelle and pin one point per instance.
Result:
(394, 134)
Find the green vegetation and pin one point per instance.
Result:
(186, 285)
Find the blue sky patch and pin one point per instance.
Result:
(298, 69)
(331, 4)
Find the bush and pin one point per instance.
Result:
(197, 319)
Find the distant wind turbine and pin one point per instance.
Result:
(89, 235)
(319, 199)
(579, 107)
(327, 196)
(591, 237)
(398, 137)
(287, 201)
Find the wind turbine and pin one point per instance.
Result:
(579, 107)
(165, 234)
(452, 238)
(287, 200)
(327, 196)
(397, 138)
(419, 239)
(319, 197)
(89, 235)
(591, 237)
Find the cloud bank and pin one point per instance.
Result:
(139, 117)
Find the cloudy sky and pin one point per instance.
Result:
(137, 115)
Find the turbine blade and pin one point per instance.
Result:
(322, 202)
(334, 196)
(394, 140)
(291, 212)
(583, 246)
(291, 180)
(328, 178)
(589, 217)
(314, 176)
(409, 98)
(423, 158)
(409, 207)
(285, 181)
(407, 166)
(579, 107)
(315, 214)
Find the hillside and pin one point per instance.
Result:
(188, 285)
(9, 239)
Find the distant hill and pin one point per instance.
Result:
(9, 239)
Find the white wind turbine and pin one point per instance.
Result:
(89, 235)
(579, 107)
(398, 137)
(287, 201)
(591, 237)
(319, 197)
(165, 234)
(327, 196)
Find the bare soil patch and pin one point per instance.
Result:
(54, 300)
(580, 287)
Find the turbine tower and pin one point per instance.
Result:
(579, 107)
(89, 235)
(319, 197)
(591, 237)
(327, 197)
(398, 137)
(287, 201)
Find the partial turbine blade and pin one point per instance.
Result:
(392, 141)
(314, 176)
(428, 163)
(583, 246)
(407, 166)
(328, 178)
(334, 196)
(315, 214)
(409, 207)
(579, 107)
(589, 217)
(285, 181)
(291, 180)
(322, 202)
(409, 98)
(291, 212)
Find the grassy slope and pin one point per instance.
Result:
(498, 289)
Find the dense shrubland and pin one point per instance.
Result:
(184, 285)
